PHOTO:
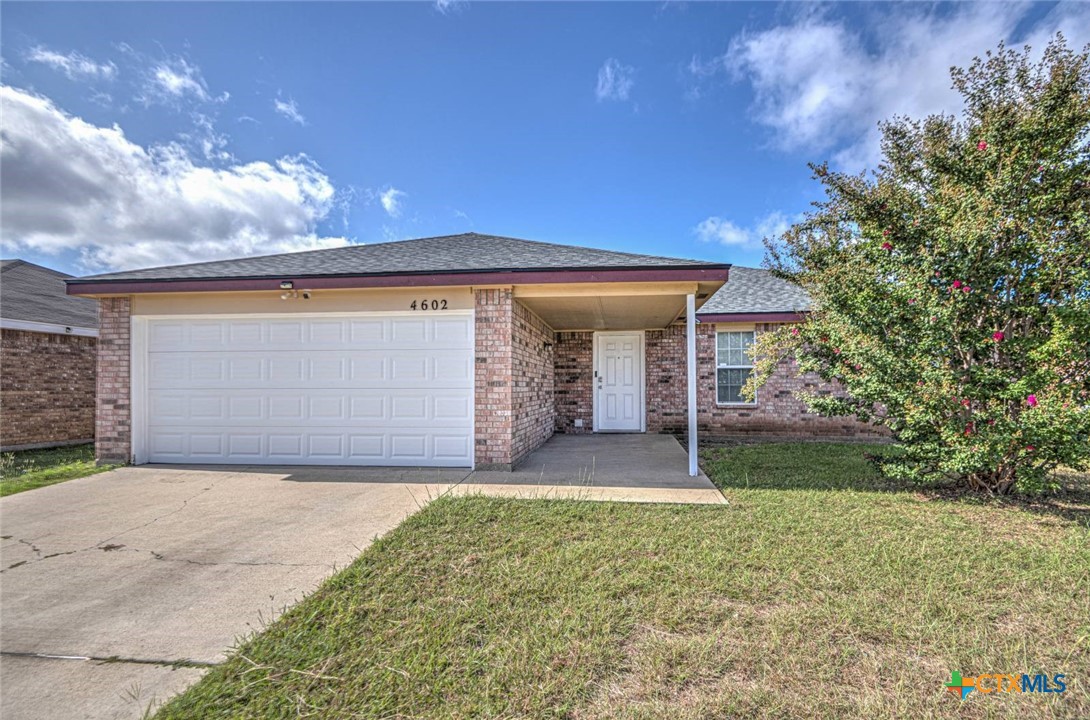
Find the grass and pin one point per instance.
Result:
(820, 591)
(30, 469)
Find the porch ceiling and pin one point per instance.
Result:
(611, 306)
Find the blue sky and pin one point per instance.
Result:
(147, 134)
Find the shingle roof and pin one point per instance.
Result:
(469, 252)
(752, 290)
(34, 293)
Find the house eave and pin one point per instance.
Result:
(48, 328)
(708, 273)
(755, 317)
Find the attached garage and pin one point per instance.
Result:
(376, 388)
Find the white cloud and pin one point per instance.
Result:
(74, 65)
(615, 80)
(289, 110)
(172, 80)
(821, 85)
(71, 185)
(449, 6)
(724, 232)
(205, 137)
(391, 201)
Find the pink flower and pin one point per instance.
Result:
(887, 246)
(1030, 448)
(998, 336)
(957, 284)
(885, 233)
(982, 145)
(965, 289)
(965, 402)
(912, 301)
(858, 367)
(1031, 400)
(969, 428)
(836, 350)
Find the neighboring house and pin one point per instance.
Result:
(464, 350)
(47, 359)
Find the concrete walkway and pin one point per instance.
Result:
(616, 467)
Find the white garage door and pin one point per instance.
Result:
(378, 389)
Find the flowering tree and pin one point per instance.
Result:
(952, 286)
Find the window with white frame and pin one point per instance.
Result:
(732, 365)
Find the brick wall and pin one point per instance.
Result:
(514, 375)
(47, 389)
(493, 369)
(113, 422)
(574, 368)
(777, 412)
(533, 377)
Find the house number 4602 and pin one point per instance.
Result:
(428, 305)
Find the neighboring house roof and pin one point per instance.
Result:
(465, 253)
(755, 292)
(32, 295)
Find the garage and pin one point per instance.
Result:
(324, 389)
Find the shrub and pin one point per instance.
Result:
(951, 286)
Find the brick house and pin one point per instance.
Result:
(47, 359)
(465, 351)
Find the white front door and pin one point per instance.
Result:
(323, 389)
(618, 381)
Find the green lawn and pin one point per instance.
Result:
(818, 592)
(29, 469)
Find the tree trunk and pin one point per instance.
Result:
(1000, 481)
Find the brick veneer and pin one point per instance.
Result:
(533, 378)
(574, 381)
(113, 422)
(47, 389)
(515, 412)
(492, 370)
(778, 411)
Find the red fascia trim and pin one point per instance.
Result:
(133, 287)
(751, 317)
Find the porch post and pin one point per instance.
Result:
(690, 341)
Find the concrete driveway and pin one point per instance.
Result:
(119, 590)
(155, 566)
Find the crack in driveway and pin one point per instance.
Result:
(183, 662)
(99, 545)
(164, 558)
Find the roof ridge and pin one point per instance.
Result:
(12, 263)
(574, 247)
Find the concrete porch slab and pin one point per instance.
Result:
(617, 467)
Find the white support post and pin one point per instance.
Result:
(690, 341)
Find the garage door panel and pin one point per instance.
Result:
(394, 390)
(392, 369)
(351, 408)
(370, 447)
(451, 447)
(223, 445)
(447, 332)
